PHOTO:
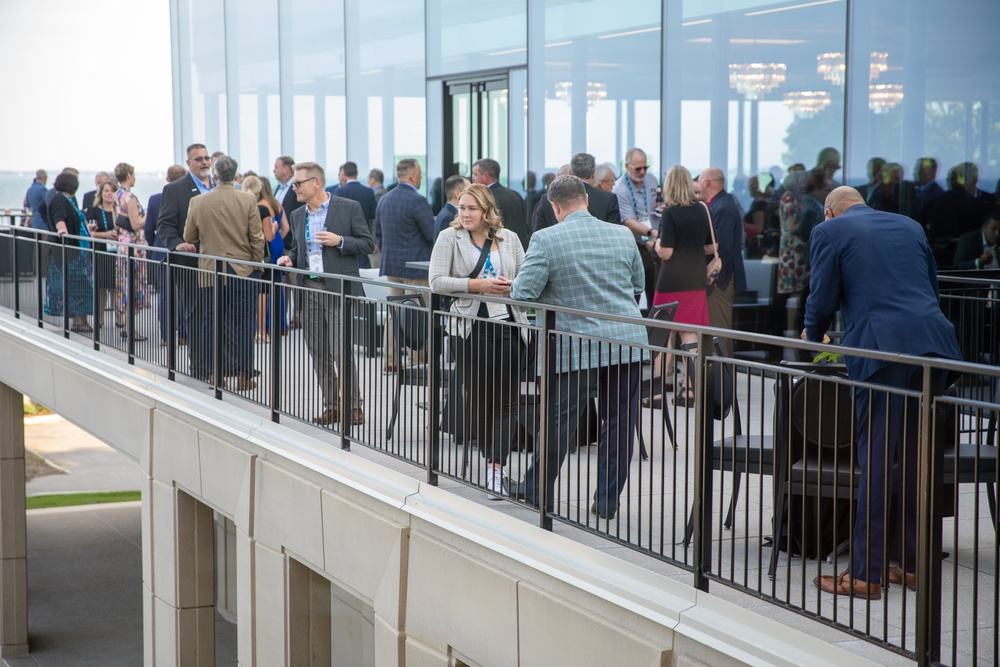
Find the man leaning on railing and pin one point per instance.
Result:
(587, 264)
(877, 269)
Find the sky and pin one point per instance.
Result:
(87, 85)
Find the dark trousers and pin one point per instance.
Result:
(178, 298)
(488, 361)
(887, 432)
(195, 304)
(239, 313)
(617, 391)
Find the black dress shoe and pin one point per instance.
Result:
(603, 515)
(519, 493)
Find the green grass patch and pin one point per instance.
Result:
(73, 499)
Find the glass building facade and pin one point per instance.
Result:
(749, 86)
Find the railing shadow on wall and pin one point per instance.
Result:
(753, 485)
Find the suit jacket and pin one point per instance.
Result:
(970, 248)
(379, 192)
(728, 224)
(444, 218)
(226, 222)
(512, 209)
(173, 213)
(88, 201)
(585, 263)
(450, 269)
(343, 217)
(149, 231)
(404, 231)
(903, 314)
(290, 202)
(361, 194)
(602, 205)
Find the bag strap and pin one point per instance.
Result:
(483, 254)
(711, 228)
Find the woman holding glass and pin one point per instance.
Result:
(131, 218)
(101, 223)
(476, 254)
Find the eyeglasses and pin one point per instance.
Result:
(299, 184)
(642, 168)
(201, 158)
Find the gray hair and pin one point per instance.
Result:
(101, 174)
(582, 165)
(225, 169)
(603, 171)
(567, 189)
(42, 175)
(405, 167)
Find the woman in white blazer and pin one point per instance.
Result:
(477, 255)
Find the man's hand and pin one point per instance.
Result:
(985, 260)
(826, 338)
(328, 238)
(186, 247)
(284, 260)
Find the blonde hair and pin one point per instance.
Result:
(252, 185)
(488, 205)
(678, 187)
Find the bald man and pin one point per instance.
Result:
(877, 269)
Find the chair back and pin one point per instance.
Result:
(411, 321)
(665, 312)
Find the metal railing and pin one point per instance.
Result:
(753, 485)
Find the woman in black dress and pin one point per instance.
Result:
(101, 222)
(65, 219)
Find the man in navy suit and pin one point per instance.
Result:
(601, 204)
(877, 269)
(978, 249)
(453, 188)
(350, 188)
(404, 232)
(170, 223)
(174, 172)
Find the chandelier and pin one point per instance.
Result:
(884, 96)
(831, 66)
(596, 92)
(754, 80)
(807, 103)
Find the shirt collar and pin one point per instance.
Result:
(202, 188)
(349, 181)
(322, 207)
(409, 184)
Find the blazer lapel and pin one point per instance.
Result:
(331, 214)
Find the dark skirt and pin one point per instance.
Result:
(692, 306)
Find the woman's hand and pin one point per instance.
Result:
(498, 286)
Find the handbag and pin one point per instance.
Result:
(714, 266)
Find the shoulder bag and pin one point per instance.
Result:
(714, 266)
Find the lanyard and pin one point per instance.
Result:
(635, 204)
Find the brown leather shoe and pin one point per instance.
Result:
(328, 417)
(845, 584)
(243, 383)
(897, 576)
(357, 417)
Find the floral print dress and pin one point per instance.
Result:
(122, 198)
(793, 264)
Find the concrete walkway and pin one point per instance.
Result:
(85, 563)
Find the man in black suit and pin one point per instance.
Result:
(453, 188)
(978, 249)
(487, 172)
(350, 188)
(602, 205)
(174, 173)
(174, 205)
(88, 197)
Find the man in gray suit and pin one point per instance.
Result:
(328, 234)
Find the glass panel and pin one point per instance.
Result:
(313, 51)
(758, 86)
(595, 81)
(495, 128)
(494, 36)
(386, 106)
(920, 91)
(203, 73)
(255, 74)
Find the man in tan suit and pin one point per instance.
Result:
(227, 224)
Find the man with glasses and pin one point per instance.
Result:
(636, 192)
(327, 236)
(174, 206)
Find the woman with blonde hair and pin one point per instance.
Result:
(275, 227)
(685, 240)
(476, 254)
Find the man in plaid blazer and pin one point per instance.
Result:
(587, 264)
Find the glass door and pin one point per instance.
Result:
(476, 121)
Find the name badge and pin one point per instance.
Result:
(316, 261)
